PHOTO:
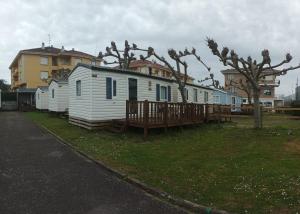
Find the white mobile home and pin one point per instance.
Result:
(98, 94)
(58, 96)
(41, 98)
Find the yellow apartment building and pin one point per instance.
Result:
(34, 67)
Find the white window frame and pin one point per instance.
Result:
(195, 95)
(112, 88)
(53, 93)
(44, 60)
(217, 99)
(165, 94)
(78, 89)
(206, 97)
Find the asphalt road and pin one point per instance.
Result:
(40, 175)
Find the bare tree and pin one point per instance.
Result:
(122, 57)
(242, 86)
(214, 83)
(252, 71)
(181, 66)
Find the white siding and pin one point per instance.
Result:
(106, 109)
(94, 106)
(60, 101)
(41, 97)
(81, 106)
(200, 95)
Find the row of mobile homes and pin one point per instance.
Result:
(41, 98)
(227, 98)
(97, 95)
(58, 97)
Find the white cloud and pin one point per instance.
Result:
(247, 26)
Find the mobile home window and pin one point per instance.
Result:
(52, 93)
(163, 93)
(186, 93)
(78, 88)
(111, 88)
(44, 60)
(114, 88)
(195, 94)
(217, 99)
(205, 96)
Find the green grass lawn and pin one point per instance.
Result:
(229, 166)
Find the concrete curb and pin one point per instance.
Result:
(185, 204)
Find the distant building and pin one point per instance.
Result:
(267, 86)
(154, 69)
(32, 68)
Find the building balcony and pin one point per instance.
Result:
(274, 83)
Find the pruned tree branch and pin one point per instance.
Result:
(123, 57)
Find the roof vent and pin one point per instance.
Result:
(43, 45)
(62, 48)
(73, 49)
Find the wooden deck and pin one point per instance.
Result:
(148, 115)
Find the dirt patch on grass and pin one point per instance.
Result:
(292, 146)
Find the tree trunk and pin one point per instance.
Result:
(181, 89)
(249, 98)
(257, 110)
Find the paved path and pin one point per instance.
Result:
(40, 175)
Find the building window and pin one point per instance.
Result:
(44, 75)
(163, 93)
(54, 61)
(78, 88)
(230, 77)
(44, 60)
(267, 92)
(195, 95)
(65, 60)
(52, 93)
(93, 62)
(244, 101)
(77, 60)
(205, 97)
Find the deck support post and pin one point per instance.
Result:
(146, 118)
(206, 113)
(166, 115)
(127, 115)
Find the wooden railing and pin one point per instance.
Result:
(149, 114)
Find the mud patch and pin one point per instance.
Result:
(292, 146)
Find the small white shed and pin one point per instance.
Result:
(98, 94)
(58, 96)
(41, 98)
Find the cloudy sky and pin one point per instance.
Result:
(248, 26)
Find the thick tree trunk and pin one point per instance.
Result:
(257, 110)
